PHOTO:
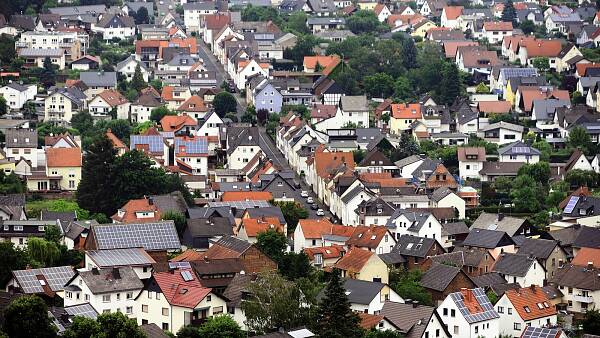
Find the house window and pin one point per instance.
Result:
(129, 295)
(41, 228)
(452, 313)
(165, 326)
(476, 329)
(165, 311)
(510, 311)
(208, 298)
(319, 259)
(217, 310)
(106, 298)
(87, 297)
(500, 309)
(455, 329)
(129, 310)
(145, 308)
(18, 228)
(517, 326)
(118, 296)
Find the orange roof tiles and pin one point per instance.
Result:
(117, 143)
(587, 255)
(491, 26)
(194, 104)
(243, 64)
(327, 63)
(367, 236)
(441, 177)
(180, 292)
(326, 161)
(354, 260)
(494, 107)
(188, 255)
(453, 12)
(131, 208)
(368, 321)
(216, 21)
(230, 196)
(471, 153)
(113, 97)
(395, 20)
(254, 226)
(316, 228)
(323, 111)
(583, 67)
(385, 180)
(63, 157)
(532, 93)
(541, 48)
(406, 111)
(327, 252)
(450, 47)
(176, 122)
(531, 303)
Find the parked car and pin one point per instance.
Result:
(304, 194)
(310, 200)
(314, 206)
(320, 212)
(297, 185)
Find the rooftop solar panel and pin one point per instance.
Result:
(120, 257)
(488, 309)
(571, 205)
(197, 145)
(155, 142)
(56, 277)
(150, 236)
(540, 332)
(241, 204)
(180, 265)
(83, 310)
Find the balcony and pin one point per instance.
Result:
(583, 299)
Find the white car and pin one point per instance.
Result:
(320, 212)
(304, 194)
(310, 200)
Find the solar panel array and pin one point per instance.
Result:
(56, 277)
(83, 310)
(197, 145)
(180, 265)
(168, 134)
(521, 150)
(155, 142)
(487, 307)
(150, 236)
(571, 205)
(120, 257)
(187, 275)
(540, 332)
(241, 204)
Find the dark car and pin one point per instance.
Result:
(314, 206)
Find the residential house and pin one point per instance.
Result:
(414, 319)
(403, 116)
(524, 307)
(61, 104)
(495, 32)
(469, 313)
(142, 107)
(137, 211)
(18, 232)
(324, 256)
(368, 297)
(495, 242)
(440, 280)
(521, 269)
(22, 143)
(548, 252)
(449, 17)
(513, 226)
(502, 132)
(97, 82)
(250, 257)
(128, 67)
(179, 125)
(34, 58)
(250, 228)
(470, 161)
(194, 13)
(17, 95)
(416, 223)
(242, 146)
(415, 250)
(519, 152)
(311, 233)
(363, 265)
(115, 26)
(373, 238)
(579, 286)
(62, 172)
(444, 197)
(48, 281)
(107, 103)
(107, 290)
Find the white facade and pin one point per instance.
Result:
(511, 323)
(534, 276)
(458, 325)
(240, 156)
(15, 99)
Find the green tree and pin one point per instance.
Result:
(580, 178)
(374, 333)
(159, 112)
(137, 82)
(540, 172)
(3, 106)
(492, 296)
(116, 324)
(294, 266)
(48, 76)
(274, 302)
(334, 308)
(189, 331)
(407, 146)
(224, 103)
(177, 217)
(379, 85)
(272, 243)
(304, 46)
(43, 252)
(221, 326)
(403, 90)
(409, 54)
(82, 327)
(364, 21)
(292, 212)
(296, 23)
(52, 234)
(591, 322)
(12, 259)
(509, 13)
(27, 317)
(94, 192)
(528, 27)
(545, 149)
(542, 64)
(526, 194)
(408, 287)
(141, 16)
(450, 85)
(579, 138)
(83, 122)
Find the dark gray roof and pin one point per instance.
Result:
(173, 201)
(455, 228)
(518, 148)
(405, 316)
(392, 258)
(63, 216)
(439, 276)
(440, 193)
(99, 79)
(416, 218)
(577, 277)
(238, 136)
(413, 246)
(408, 160)
(205, 227)
(513, 264)
(588, 237)
(362, 292)
(353, 193)
(116, 21)
(489, 239)
(455, 258)
(267, 212)
(101, 281)
(136, 5)
(207, 212)
(233, 244)
(236, 289)
(153, 331)
(21, 138)
(538, 248)
(488, 279)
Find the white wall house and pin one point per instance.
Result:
(16, 95)
(420, 224)
(520, 269)
(473, 324)
(525, 307)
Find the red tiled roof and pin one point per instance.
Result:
(450, 47)
(176, 122)
(326, 161)
(230, 196)
(216, 21)
(188, 255)
(531, 303)
(587, 255)
(491, 26)
(406, 111)
(368, 321)
(581, 191)
(254, 226)
(194, 104)
(367, 236)
(117, 143)
(316, 228)
(327, 252)
(327, 63)
(131, 209)
(453, 12)
(180, 292)
(583, 67)
(494, 106)
(63, 157)
(532, 93)
(323, 111)
(355, 260)
(542, 48)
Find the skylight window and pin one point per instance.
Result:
(527, 309)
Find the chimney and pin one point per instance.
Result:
(500, 217)
(532, 287)
(116, 273)
(466, 294)
(150, 201)
(206, 258)
(415, 303)
(590, 265)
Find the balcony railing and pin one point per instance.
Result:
(583, 299)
